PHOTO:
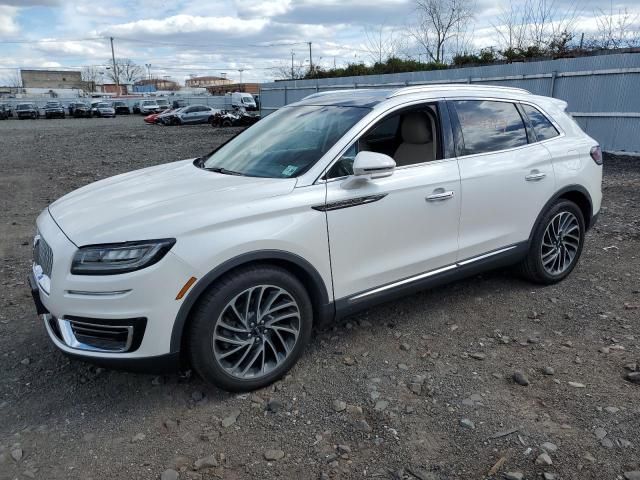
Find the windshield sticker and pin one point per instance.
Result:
(287, 172)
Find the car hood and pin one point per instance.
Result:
(160, 202)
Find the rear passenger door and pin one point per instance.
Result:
(506, 175)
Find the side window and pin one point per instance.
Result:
(410, 137)
(489, 126)
(541, 125)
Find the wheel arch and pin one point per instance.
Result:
(299, 267)
(575, 193)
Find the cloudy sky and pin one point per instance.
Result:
(200, 37)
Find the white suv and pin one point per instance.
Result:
(323, 208)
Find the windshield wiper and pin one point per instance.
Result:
(224, 171)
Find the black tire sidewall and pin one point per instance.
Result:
(534, 252)
(210, 307)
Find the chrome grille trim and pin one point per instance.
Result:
(43, 255)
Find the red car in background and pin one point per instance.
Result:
(153, 118)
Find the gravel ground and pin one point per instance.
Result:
(418, 388)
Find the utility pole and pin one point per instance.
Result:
(148, 65)
(241, 70)
(310, 59)
(115, 67)
(292, 74)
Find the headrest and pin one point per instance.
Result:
(416, 128)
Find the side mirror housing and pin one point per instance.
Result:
(373, 165)
(369, 166)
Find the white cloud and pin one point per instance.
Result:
(8, 25)
(178, 24)
(262, 8)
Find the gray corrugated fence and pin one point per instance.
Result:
(603, 92)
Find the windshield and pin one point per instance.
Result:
(162, 102)
(149, 102)
(286, 143)
(24, 106)
(53, 104)
(104, 105)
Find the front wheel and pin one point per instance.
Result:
(250, 328)
(556, 244)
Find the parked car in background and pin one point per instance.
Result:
(169, 117)
(179, 103)
(79, 110)
(326, 207)
(237, 117)
(149, 106)
(121, 108)
(154, 118)
(8, 108)
(194, 114)
(102, 109)
(27, 110)
(135, 108)
(53, 110)
(163, 103)
(4, 112)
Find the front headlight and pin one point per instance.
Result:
(114, 258)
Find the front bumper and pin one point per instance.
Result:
(114, 319)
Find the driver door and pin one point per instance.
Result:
(396, 228)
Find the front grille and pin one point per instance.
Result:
(43, 255)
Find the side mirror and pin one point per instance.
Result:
(369, 166)
(373, 165)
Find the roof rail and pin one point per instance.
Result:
(455, 86)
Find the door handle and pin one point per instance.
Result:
(535, 176)
(441, 195)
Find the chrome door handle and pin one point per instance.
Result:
(535, 176)
(437, 197)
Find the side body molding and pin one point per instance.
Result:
(318, 290)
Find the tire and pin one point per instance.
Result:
(237, 370)
(227, 123)
(552, 258)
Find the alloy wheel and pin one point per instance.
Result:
(560, 243)
(256, 331)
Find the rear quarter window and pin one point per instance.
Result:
(542, 126)
(490, 126)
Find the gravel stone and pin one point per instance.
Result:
(548, 371)
(520, 378)
(632, 475)
(466, 423)
(169, 475)
(544, 459)
(381, 405)
(17, 454)
(549, 447)
(273, 455)
(230, 419)
(206, 462)
(634, 377)
(513, 476)
(339, 405)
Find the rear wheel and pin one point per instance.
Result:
(556, 244)
(250, 328)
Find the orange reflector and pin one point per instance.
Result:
(186, 288)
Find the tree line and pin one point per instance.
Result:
(441, 34)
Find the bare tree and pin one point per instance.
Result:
(12, 79)
(616, 29)
(439, 21)
(290, 71)
(90, 76)
(382, 43)
(542, 24)
(511, 26)
(128, 71)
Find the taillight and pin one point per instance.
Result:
(596, 154)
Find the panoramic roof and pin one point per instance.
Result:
(366, 97)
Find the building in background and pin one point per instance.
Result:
(52, 79)
(209, 81)
(253, 88)
(155, 84)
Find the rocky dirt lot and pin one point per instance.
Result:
(420, 388)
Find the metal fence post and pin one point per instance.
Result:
(286, 99)
(553, 83)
